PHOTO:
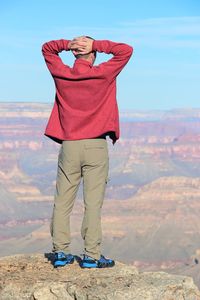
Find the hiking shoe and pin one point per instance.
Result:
(89, 262)
(62, 259)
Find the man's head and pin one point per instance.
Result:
(78, 52)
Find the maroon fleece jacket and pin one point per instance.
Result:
(85, 102)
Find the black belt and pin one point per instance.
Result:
(103, 136)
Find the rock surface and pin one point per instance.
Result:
(33, 277)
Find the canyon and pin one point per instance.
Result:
(150, 216)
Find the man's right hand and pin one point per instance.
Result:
(81, 45)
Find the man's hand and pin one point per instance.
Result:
(81, 45)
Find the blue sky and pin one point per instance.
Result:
(163, 73)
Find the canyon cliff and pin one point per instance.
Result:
(151, 211)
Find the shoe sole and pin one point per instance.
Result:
(89, 266)
(95, 266)
(106, 266)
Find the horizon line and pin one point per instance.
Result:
(120, 110)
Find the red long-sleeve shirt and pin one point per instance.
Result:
(85, 103)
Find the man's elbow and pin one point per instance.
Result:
(130, 50)
(127, 50)
(47, 47)
(44, 48)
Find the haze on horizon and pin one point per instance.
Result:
(162, 74)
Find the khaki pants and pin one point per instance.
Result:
(86, 158)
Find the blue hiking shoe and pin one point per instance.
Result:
(89, 262)
(62, 259)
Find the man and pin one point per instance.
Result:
(84, 113)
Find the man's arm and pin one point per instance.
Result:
(121, 55)
(51, 50)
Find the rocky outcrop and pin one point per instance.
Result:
(33, 277)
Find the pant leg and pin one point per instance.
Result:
(95, 172)
(68, 180)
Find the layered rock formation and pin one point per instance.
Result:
(33, 277)
(151, 211)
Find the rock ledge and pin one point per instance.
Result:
(33, 277)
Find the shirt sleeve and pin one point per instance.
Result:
(50, 51)
(121, 55)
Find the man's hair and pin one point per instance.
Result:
(86, 55)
